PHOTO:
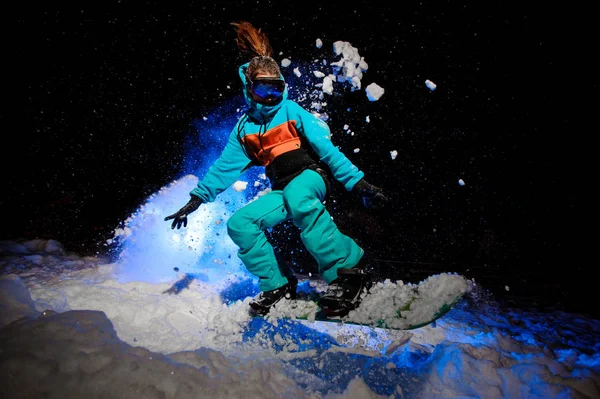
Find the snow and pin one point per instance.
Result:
(348, 69)
(328, 85)
(70, 323)
(240, 185)
(165, 314)
(374, 92)
(430, 85)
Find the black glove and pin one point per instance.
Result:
(180, 217)
(371, 195)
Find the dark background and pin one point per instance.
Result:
(101, 104)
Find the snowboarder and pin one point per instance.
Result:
(277, 133)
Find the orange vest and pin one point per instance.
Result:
(272, 143)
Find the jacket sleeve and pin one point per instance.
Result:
(224, 172)
(318, 135)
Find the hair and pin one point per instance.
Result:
(254, 44)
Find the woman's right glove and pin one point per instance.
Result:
(180, 217)
(371, 195)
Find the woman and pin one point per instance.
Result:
(275, 133)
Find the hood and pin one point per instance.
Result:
(259, 111)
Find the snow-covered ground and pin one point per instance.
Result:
(72, 328)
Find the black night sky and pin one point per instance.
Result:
(101, 102)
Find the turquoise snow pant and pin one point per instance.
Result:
(302, 201)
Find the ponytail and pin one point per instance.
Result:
(254, 44)
(251, 41)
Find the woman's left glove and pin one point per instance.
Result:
(371, 195)
(180, 217)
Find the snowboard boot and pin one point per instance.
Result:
(344, 293)
(263, 302)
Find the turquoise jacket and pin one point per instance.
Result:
(263, 134)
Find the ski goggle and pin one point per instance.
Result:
(266, 87)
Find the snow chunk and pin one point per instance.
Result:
(374, 92)
(240, 185)
(327, 85)
(430, 85)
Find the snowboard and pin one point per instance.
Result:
(387, 305)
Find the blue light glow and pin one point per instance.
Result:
(151, 251)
